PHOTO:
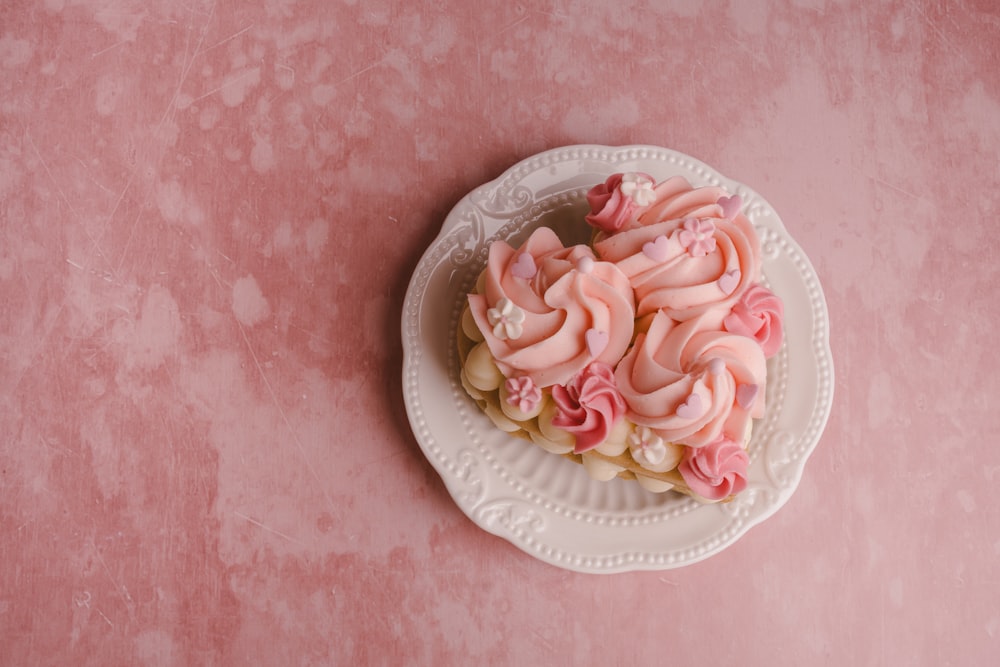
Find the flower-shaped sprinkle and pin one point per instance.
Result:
(506, 319)
(697, 236)
(523, 394)
(638, 188)
(647, 445)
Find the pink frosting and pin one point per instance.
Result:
(681, 378)
(561, 304)
(681, 282)
(679, 264)
(758, 314)
(717, 470)
(610, 208)
(588, 406)
(697, 235)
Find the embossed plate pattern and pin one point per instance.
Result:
(545, 504)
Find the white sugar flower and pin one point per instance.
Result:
(506, 319)
(645, 444)
(638, 188)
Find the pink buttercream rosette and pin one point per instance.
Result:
(615, 202)
(686, 253)
(691, 384)
(759, 314)
(717, 470)
(589, 406)
(570, 309)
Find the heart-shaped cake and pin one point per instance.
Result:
(641, 355)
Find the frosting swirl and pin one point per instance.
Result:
(682, 254)
(715, 471)
(758, 314)
(688, 381)
(588, 406)
(613, 202)
(575, 310)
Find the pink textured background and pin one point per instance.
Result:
(210, 213)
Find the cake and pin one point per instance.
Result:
(641, 354)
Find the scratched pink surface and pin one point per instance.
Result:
(210, 213)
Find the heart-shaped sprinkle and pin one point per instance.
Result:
(524, 267)
(730, 206)
(657, 249)
(691, 408)
(585, 265)
(746, 394)
(716, 366)
(597, 340)
(729, 281)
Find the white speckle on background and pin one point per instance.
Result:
(249, 305)
(262, 156)
(156, 647)
(170, 200)
(323, 94)
(898, 26)
(284, 236)
(316, 237)
(184, 101)
(158, 329)
(108, 91)
(896, 592)
(15, 52)
(284, 76)
(236, 85)
(966, 500)
(880, 400)
(208, 117)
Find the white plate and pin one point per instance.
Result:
(545, 504)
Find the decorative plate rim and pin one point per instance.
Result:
(563, 532)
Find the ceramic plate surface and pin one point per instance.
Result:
(545, 504)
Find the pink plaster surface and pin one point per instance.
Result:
(210, 211)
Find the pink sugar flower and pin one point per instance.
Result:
(522, 393)
(698, 236)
